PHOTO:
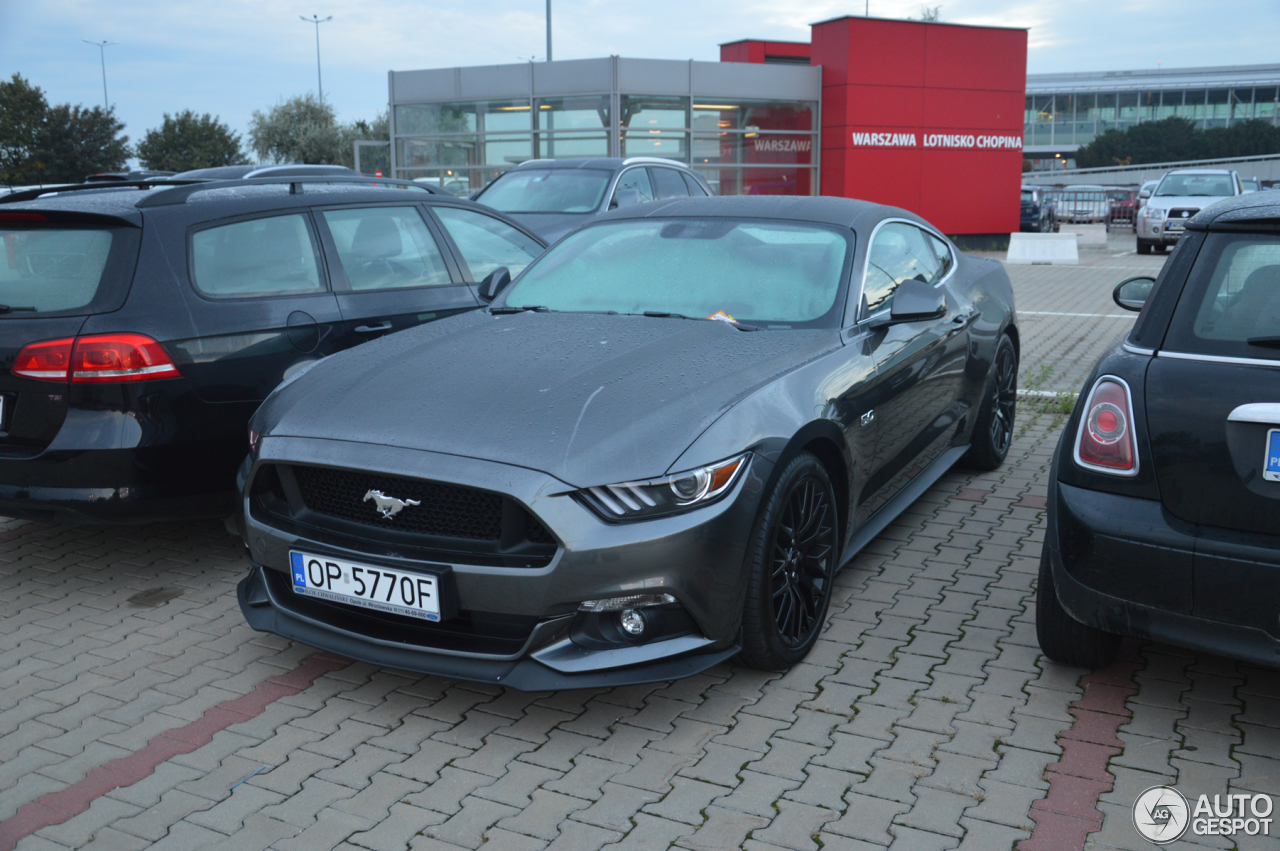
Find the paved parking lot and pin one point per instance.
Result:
(137, 710)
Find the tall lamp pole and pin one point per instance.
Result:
(317, 20)
(102, 55)
(549, 30)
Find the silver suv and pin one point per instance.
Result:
(1180, 195)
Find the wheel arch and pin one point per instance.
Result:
(824, 440)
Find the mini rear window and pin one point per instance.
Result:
(259, 257)
(1231, 305)
(52, 269)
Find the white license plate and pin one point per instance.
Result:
(1271, 463)
(382, 589)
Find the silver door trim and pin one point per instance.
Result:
(1219, 359)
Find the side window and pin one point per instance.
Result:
(943, 254)
(898, 253)
(695, 188)
(635, 178)
(386, 248)
(258, 257)
(487, 243)
(668, 183)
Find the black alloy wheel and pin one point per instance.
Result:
(993, 431)
(793, 560)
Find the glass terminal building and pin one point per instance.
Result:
(746, 128)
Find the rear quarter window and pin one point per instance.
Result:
(1231, 305)
(54, 269)
(271, 256)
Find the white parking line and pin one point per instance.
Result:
(1089, 315)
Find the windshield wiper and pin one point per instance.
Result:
(1267, 342)
(4, 308)
(663, 314)
(501, 311)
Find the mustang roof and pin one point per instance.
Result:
(1252, 206)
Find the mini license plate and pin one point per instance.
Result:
(1271, 464)
(382, 589)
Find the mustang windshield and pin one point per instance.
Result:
(548, 190)
(749, 270)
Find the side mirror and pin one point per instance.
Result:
(626, 198)
(913, 301)
(1146, 193)
(1132, 293)
(494, 283)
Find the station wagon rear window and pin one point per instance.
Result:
(1231, 306)
(51, 269)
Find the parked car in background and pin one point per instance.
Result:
(1164, 492)
(552, 197)
(1179, 196)
(142, 323)
(1250, 184)
(1083, 204)
(653, 452)
(1039, 211)
(1144, 192)
(117, 176)
(244, 172)
(1123, 205)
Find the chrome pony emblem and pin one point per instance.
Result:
(388, 506)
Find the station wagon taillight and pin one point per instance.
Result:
(97, 358)
(1106, 441)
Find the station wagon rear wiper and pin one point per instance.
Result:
(1268, 342)
(4, 308)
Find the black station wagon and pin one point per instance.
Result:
(1164, 500)
(141, 324)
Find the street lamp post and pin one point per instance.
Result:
(548, 30)
(102, 55)
(317, 20)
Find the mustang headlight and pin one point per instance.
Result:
(668, 495)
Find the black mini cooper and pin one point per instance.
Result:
(141, 324)
(1164, 499)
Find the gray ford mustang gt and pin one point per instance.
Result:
(652, 452)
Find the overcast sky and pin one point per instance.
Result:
(234, 56)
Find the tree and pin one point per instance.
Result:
(301, 129)
(1176, 139)
(929, 14)
(186, 141)
(22, 113)
(74, 142)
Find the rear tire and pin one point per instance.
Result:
(993, 430)
(1144, 247)
(792, 560)
(1063, 638)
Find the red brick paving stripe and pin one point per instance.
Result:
(972, 494)
(57, 807)
(24, 529)
(1029, 501)
(1069, 812)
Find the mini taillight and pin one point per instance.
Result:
(97, 358)
(47, 361)
(1106, 441)
(22, 217)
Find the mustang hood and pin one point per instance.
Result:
(590, 399)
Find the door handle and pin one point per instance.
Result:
(373, 329)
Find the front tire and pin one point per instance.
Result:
(1063, 638)
(792, 561)
(993, 431)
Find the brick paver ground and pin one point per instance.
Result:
(925, 718)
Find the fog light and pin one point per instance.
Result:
(632, 623)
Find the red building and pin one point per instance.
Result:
(925, 116)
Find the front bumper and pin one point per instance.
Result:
(697, 557)
(1124, 565)
(1158, 231)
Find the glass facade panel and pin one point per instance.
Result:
(478, 117)
(643, 112)
(576, 113)
(760, 181)
(671, 144)
(463, 150)
(1042, 120)
(1219, 108)
(560, 146)
(1170, 104)
(1265, 103)
(1106, 112)
(1241, 104)
(1148, 105)
(748, 116)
